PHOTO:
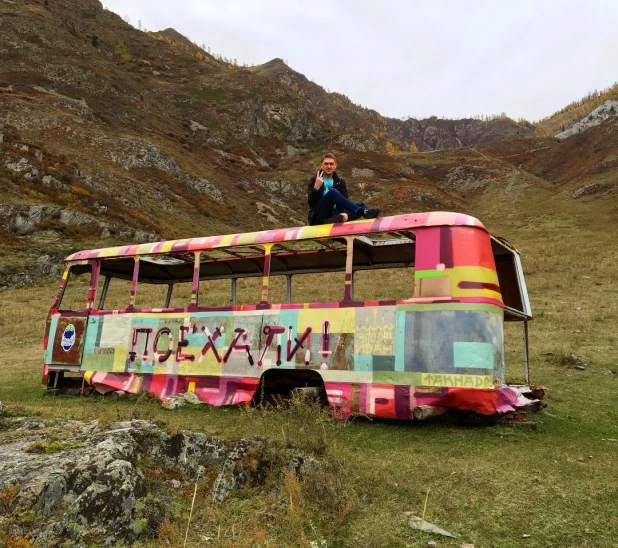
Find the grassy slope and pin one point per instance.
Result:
(489, 485)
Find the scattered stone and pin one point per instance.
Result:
(52, 182)
(573, 360)
(466, 545)
(195, 126)
(432, 544)
(362, 144)
(293, 151)
(581, 459)
(422, 525)
(526, 536)
(364, 172)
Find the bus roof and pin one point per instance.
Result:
(365, 226)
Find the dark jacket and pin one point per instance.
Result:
(314, 196)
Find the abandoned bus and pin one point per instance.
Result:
(398, 317)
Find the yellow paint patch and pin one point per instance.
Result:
(191, 387)
(208, 366)
(110, 252)
(341, 320)
(120, 359)
(136, 384)
(167, 246)
(144, 249)
(226, 240)
(472, 274)
(317, 231)
(88, 376)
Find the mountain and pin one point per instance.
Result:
(112, 135)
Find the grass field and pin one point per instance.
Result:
(556, 485)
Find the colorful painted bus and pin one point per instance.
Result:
(397, 317)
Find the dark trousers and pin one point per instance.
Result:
(333, 203)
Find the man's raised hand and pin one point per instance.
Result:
(318, 181)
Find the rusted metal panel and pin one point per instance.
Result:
(68, 342)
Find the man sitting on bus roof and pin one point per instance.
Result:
(328, 197)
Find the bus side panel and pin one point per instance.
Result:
(398, 353)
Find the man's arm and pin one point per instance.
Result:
(314, 190)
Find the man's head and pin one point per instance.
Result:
(329, 164)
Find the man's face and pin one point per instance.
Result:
(328, 166)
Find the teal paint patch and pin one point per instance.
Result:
(400, 331)
(363, 362)
(473, 355)
(384, 363)
(146, 367)
(93, 334)
(428, 274)
(145, 322)
(53, 325)
(287, 319)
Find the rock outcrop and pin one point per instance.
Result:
(609, 109)
(78, 482)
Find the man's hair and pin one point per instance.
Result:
(329, 155)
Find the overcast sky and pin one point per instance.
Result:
(450, 58)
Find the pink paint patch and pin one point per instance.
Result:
(510, 399)
(108, 382)
(428, 249)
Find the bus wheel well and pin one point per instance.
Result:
(282, 383)
(64, 382)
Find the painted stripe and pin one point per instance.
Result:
(478, 285)
(420, 274)
(397, 222)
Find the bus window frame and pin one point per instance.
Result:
(98, 309)
(90, 294)
(135, 283)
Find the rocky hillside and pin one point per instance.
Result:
(112, 135)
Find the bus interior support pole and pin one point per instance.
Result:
(104, 292)
(168, 296)
(288, 288)
(352, 285)
(526, 354)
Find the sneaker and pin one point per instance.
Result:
(339, 218)
(371, 213)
